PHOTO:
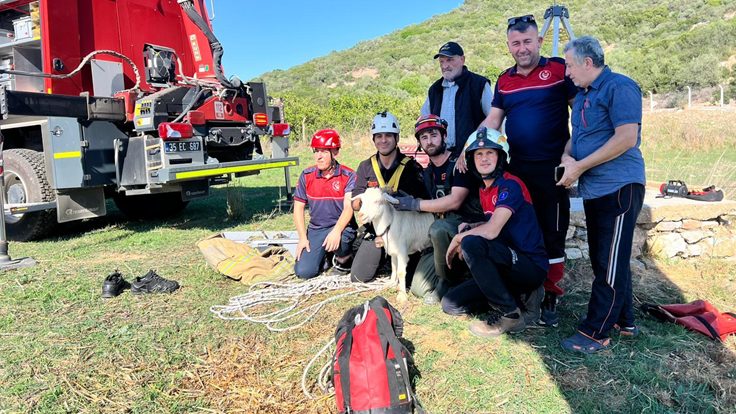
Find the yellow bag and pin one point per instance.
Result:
(241, 262)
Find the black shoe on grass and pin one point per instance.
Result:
(153, 283)
(113, 285)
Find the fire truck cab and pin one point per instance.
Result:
(122, 99)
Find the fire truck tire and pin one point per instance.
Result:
(150, 206)
(26, 182)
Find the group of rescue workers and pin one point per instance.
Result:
(502, 205)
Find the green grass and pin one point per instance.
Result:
(64, 349)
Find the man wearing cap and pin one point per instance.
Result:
(387, 168)
(326, 187)
(454, 200)
(533, 96)
(460, 97)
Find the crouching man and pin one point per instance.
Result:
(505, 254)
(326, 187)
(452, 202)
(387, 168)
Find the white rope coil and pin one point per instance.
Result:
(289, 299)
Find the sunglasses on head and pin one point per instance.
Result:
(526, 19)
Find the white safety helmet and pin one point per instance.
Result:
(385, 122)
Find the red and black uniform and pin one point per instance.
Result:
(325, 198)
(369, 258)
(536, 111)
(512, 264)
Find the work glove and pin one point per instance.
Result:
(407, 203)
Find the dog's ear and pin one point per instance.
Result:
(390, 199)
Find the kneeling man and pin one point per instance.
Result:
(326, 187)
(505, 254)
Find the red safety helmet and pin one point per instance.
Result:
(326, 139)
(429, 121)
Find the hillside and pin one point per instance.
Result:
(663, 44)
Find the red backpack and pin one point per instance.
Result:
(699, 316)
(370, 366)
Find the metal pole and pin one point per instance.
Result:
(689, 98)
(651, 102)
(6, 263)
(556, 38)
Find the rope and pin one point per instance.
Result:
(323, 373)
(292, 296)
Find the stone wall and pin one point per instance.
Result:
(672, 227)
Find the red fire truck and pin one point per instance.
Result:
(122, 99)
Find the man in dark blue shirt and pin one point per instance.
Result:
(326, 188)
(505, 254)
(533, 97)
(603, 154)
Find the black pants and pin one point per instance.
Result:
(611, 220)
(500, 276)
(552, 207)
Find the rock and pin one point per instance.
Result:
(667, 245)
(573, 254)
(570, 243)
(586, 255)
(577, 218)
(635, 250)
(581, 234)
(640, 236)
(724, 247)
(694, 236)
(583, 246)
(694, 250)
(638, 264)
(709, 224)
(570, 233)
(668, 226)
(691, 224)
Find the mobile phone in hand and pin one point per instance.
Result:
(559, 172)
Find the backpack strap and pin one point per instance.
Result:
(393, 182)
(386, 331)
(713, 333)
(343, 362)
(450, 175)
(428, 181)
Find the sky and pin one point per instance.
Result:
(261, 36)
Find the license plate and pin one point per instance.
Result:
(183, 146)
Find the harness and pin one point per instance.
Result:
(431, 185)
(393, 182)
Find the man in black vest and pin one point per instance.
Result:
(460, 97)
(454, 200)
(388, 167)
